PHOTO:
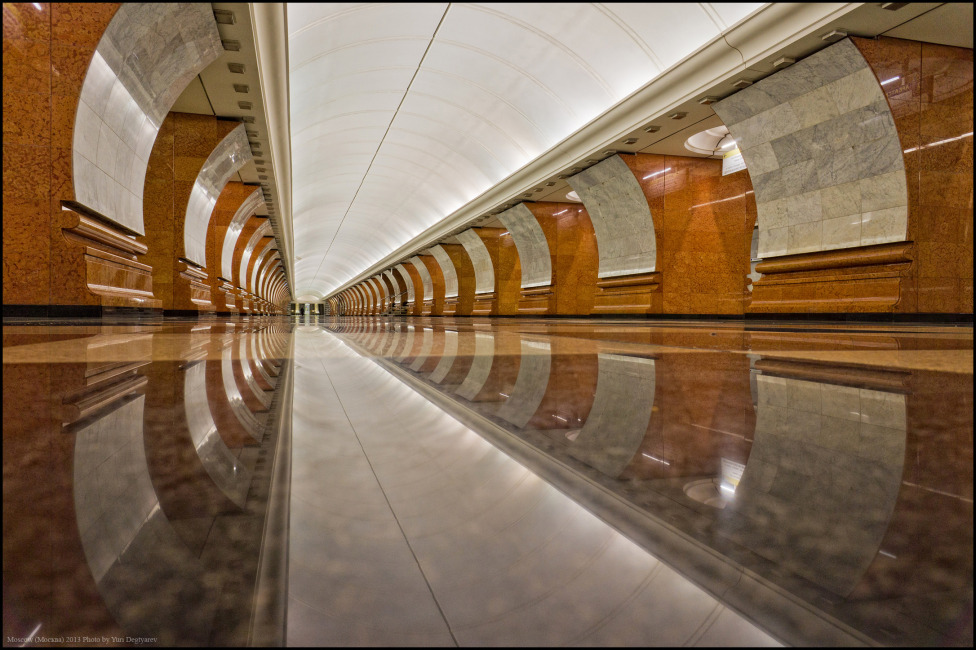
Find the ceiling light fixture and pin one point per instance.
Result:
(742, 83)
(678, 116)
(708, 99)
(783, 62)
(653, 128)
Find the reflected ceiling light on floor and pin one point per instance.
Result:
(561, 212)
(888, 81)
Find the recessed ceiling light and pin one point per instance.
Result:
(653, 128)
(783, 62)
(242, 88)
(550, 184)
(741, 83)
(236, 68)
(834, 35)
(630, 140)
(708, 99)
(231, 46)
(245, 106)
(678, 116)
(248, 119)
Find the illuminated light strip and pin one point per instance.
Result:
(731, 198)
(657, 459)
(656, 173)
(888, 81)
(936, 144)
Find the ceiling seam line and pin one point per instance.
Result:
(383, 139)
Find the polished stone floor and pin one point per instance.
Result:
(438, 481)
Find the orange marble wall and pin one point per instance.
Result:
(390, 289)
(465, 277)
(703, 224)
(230, 199)
(508, 269)
(417, 308)
(573, 254)
(258, 254)
(182, 146)
(250, 226)
(437, 280)
(46, 52)
(932, 103)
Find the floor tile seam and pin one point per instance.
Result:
(406, 540)
(705, 625)
(567, 580)
(639, 589)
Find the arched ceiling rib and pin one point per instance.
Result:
(403, 113)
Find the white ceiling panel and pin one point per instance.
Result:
(402, 114)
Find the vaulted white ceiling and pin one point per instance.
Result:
(403, 113)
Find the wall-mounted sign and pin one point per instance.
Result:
(732, 162)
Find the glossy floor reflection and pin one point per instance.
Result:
(489, 482)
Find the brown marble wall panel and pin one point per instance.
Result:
(417, 307)
(507, 268)
(931, 101)
(703, 225)
(46, 52)
(703, 412)
(46, 541)
(230, 199)
(465, 277)
(381, 291)
(573, 255)
(247, 232)
(935, 495)
(570, 391)
(391, 291)
(437, 280)
(180, 150)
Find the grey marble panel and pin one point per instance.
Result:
(424, 277)
(257, 265)
(248, 208)
(230, 154)
(244, 415)
(530, 387)
(409, 280)
(261, 231)
(113, 493)
(822, 478)
(530, 240)
(484, 355)
(484, 270)
(814, 136)
(447, 268)
(146, 57)
(621, 411)
(621, 218)
(447, 357)
(393, 283)
(425, 346)
(233, 478)
(407, 344)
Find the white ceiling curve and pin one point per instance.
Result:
(403, 113)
